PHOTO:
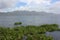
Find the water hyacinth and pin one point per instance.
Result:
(29, 32)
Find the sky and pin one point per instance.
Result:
(30, 5)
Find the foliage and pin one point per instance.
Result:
(31, 32)
(17, 23)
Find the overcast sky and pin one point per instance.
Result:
(32, 5)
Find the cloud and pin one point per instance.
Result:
(8, 3)
(55, 8)
(36, 5)
(33, 5)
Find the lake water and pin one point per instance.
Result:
(27, 19)
(55, 35)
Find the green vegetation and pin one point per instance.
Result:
(17, 23)
(31, 32)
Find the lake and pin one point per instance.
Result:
(7, 19)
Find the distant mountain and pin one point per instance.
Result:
(25, 13)
(29, 18)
